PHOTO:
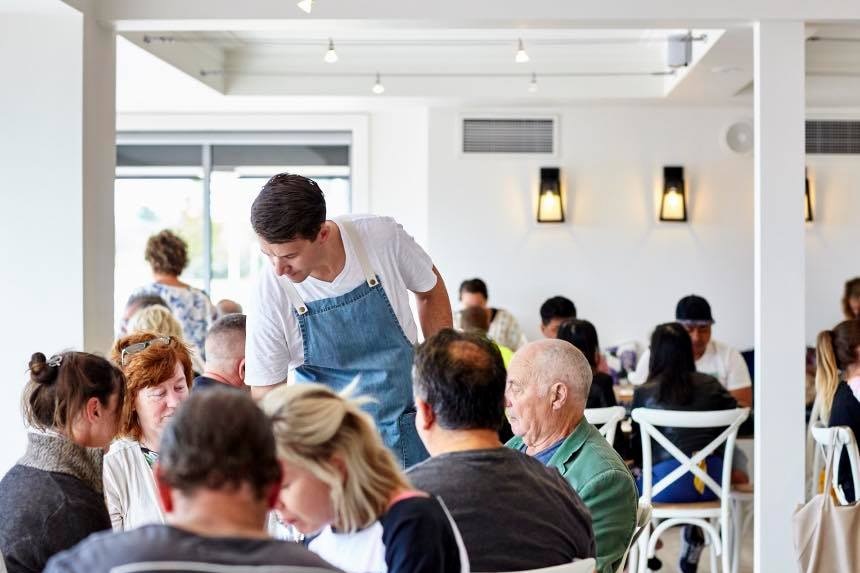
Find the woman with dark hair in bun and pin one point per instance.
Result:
(53, 497)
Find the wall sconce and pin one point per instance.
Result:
(673, 203)
(807, 201)
(550, 209)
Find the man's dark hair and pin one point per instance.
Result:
(219, 439)
(289, 207)
(475, 286)
(557, 307)
(144, 300)
(462, 377)
(475, 319)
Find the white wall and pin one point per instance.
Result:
(41, 250)
(624, 270)
(399, 157)
(832, 239)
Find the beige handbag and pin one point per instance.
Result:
(826, 534)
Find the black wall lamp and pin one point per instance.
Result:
(807, 201)
(550, 208)
(673, 203)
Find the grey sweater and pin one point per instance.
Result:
(50, 500)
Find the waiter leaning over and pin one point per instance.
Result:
(334, 305)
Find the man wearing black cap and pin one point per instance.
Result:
(712, 357)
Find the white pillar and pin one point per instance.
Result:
(779, 289)
(56, 195)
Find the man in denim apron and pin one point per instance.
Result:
(334, 306)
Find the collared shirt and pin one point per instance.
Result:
(597, 473)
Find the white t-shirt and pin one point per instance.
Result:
(719, 360)
(274, 341)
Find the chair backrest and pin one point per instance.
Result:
(643, 516)
(650, 419)
(607, 418)
(581, 566)
(841, 438)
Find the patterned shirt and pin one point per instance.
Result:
(191, 307)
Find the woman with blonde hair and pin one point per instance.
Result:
(158, 373)
(160, 320)
(342, 483)
(837, 384)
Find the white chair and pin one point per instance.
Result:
(581, 566)
(841, 438)
(702, 514)
(643, 517)
(607, 419)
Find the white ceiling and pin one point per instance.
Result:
(477, 65)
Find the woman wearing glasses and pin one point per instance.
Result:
(52, 498)
(158, 370)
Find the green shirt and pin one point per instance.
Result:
(596, 472)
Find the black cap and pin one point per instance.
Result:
(693, 309)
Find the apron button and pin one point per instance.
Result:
(372, 282)
(302, 310)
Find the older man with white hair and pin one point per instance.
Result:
(548, 384)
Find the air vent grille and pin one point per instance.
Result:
(508, 136)
(836, 137)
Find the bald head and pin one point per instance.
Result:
(548, 361)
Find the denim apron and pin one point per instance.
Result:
(357, 336)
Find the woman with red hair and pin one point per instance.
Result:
(158, 373)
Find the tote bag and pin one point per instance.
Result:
(826, 534)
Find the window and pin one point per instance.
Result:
(204, 191)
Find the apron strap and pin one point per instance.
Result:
(294, 296)
(358, 245)
(370, 276)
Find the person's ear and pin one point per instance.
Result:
(242, 370)
(558, 393)
(275, 489)
(93, 410)
(340, 465)
(426, 417)
(165, 492)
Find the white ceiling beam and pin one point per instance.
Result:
(269, 14)
(190, 58)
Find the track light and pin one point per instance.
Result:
(306, 5)
(378, 88)
(533, 85)
(330, 55)
(521, 57)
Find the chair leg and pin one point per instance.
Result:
(642, 550)
(736, 535)
(712, 554)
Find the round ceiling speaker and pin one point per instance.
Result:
(740, 137)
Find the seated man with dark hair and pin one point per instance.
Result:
(217, 478)
(513, 512)
(553, 312)
(225, 354)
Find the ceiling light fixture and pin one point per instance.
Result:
(378, 88)
(521, 57)
(306, 5)
(533, 85)
(330, 55)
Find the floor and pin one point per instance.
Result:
(672, 546)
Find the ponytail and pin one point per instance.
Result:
(826, 373)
